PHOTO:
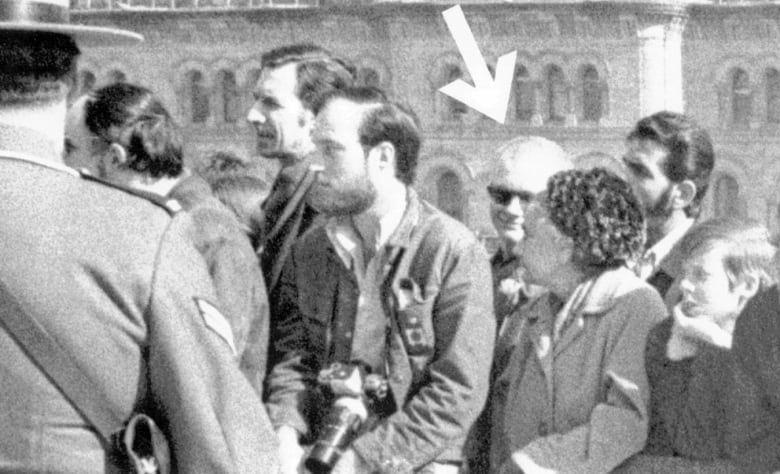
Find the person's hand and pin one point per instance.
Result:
(350, 463)
(290, 450)
(680, 345)
(701, 329)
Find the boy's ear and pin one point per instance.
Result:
(747, 286)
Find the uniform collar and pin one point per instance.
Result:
(32, 146)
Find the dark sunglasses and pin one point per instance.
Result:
(503, 196)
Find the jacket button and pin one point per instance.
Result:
(397, 378)
(543, 429)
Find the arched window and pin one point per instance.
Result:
(525, 95)
(116, 76)
(455, 109)
(368, 77)
(555, 94)
(727, 196)
(740, 98)
(772, 95)
(228, 96)
(591, 94)
(87, 82)
(449, 194)
(198, 97)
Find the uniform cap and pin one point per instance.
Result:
(53, 16)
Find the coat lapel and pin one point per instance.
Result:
(540, 323)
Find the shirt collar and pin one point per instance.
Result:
(394, 228)
(663, 247)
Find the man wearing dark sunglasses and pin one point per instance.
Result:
(520, 171)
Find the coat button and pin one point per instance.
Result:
(398, 378)
(543, 429)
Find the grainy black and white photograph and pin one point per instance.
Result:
(389, 236)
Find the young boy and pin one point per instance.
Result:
(688, 357)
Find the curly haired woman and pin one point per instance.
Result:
(573, 397)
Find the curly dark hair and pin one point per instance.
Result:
(596, 209)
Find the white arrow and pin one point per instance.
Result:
(487, 96)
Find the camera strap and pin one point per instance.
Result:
(61, 369)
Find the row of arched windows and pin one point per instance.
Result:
(551, 98)
(216, 100)
(745, 100)
(224, 100)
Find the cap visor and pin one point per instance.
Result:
(85, 36)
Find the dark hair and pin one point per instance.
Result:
(35, 66)
(598, 210)
(744, 243)
(386, 121)
(221, 163)
(133, 117)
(243, 194)
(318, 71)
(691, 155)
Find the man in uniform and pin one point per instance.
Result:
(113, 281)
(389, 283)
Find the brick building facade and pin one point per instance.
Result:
(586, 71)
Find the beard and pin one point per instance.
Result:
(343, 198)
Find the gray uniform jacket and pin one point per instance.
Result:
(114, 279)
(438, 300)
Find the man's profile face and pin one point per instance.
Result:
(281, 121)
(644, 160)
(80, 143)
(343, 187)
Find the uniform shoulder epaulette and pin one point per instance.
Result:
(171, 206)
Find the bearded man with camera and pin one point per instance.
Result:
(386, 347)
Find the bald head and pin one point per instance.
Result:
(519, 172)
(526, 163)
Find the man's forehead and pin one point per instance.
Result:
(277, 81)
(339, 116)
(645, 151)
(529, 174)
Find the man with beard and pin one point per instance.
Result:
(669, 160)
(292, 82)
(390, 283)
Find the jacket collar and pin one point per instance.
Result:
(558, 326)
(190, 191)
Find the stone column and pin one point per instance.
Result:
(660, 64)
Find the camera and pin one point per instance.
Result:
(354, 391)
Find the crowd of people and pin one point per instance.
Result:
(334, 321)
